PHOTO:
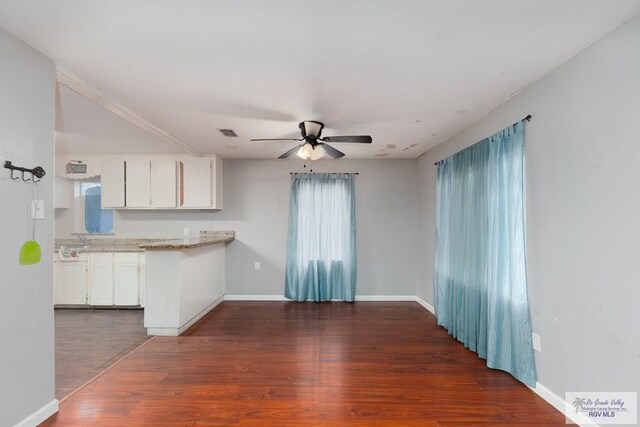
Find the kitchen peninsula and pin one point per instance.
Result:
(185, 280)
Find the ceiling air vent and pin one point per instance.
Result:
(228, 132)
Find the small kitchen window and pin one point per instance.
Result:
(96, 219)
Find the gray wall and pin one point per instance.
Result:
(27, 88)
(256, 205)
(583, 195)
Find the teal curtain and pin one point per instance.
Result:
(480, 279)
(321, 243)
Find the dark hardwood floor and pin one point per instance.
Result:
(88, 341)
(315, 364)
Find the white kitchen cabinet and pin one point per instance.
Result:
(112, 179)
(201, 183)
(162, 183)
(63, 191)
(70, 282)
(126, 279)
(138, 183)
(164, 179)
(195, 183)
(101, 279)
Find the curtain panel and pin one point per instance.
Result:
(321, 242)
(480, 280)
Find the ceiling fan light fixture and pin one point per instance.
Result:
(309, 152)
(305, 152)
(318, 152)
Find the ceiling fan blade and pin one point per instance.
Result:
(290, 152)
(276, 139)
(365, 139)
(336, 154)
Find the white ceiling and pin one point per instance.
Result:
(405, 72)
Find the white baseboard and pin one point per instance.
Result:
(255, 298)
(425, 304)
(282, 298)
(384, 298)
(40, 415)
(561, 405)
(174, 332)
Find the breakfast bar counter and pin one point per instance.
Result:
(185, 280)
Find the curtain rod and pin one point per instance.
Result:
(307, 173)
(527, 118)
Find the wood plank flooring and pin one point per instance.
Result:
(88, 341)
(306, 364)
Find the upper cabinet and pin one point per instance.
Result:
(162, 184)
(137, 183)
(63, 193)
(112, 180)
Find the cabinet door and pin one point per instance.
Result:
(101, 279)
(138, 183)
(125, 279)
(71, 282)
(195, 183)
(62, 192)
(163, 183)
(112, 180)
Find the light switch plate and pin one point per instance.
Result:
(537, 345)
(256, 265)
(37, 209)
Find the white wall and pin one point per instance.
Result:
(27, 89)
(583, 195)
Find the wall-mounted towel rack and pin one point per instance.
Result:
(36, 172)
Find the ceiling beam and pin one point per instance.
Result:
(77, 84)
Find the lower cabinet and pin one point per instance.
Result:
(101, 279)
(114, 279)
(126, 279)
(70, 282)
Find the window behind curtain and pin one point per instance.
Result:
(480, 282)
(96, 219)
(321, 251)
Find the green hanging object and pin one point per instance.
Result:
(30, 253)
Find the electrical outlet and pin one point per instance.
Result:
(536, 342)
(185, 232)
(256, 265)
(37, 209)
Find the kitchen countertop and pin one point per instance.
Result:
(140, 245)
(206, 238)
(105, 248)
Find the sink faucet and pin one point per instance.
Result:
(83, 239)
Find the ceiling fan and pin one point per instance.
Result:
(315, 146)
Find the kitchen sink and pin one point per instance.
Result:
(67, 253)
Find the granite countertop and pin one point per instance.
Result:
(140, 245)
(206, 238)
